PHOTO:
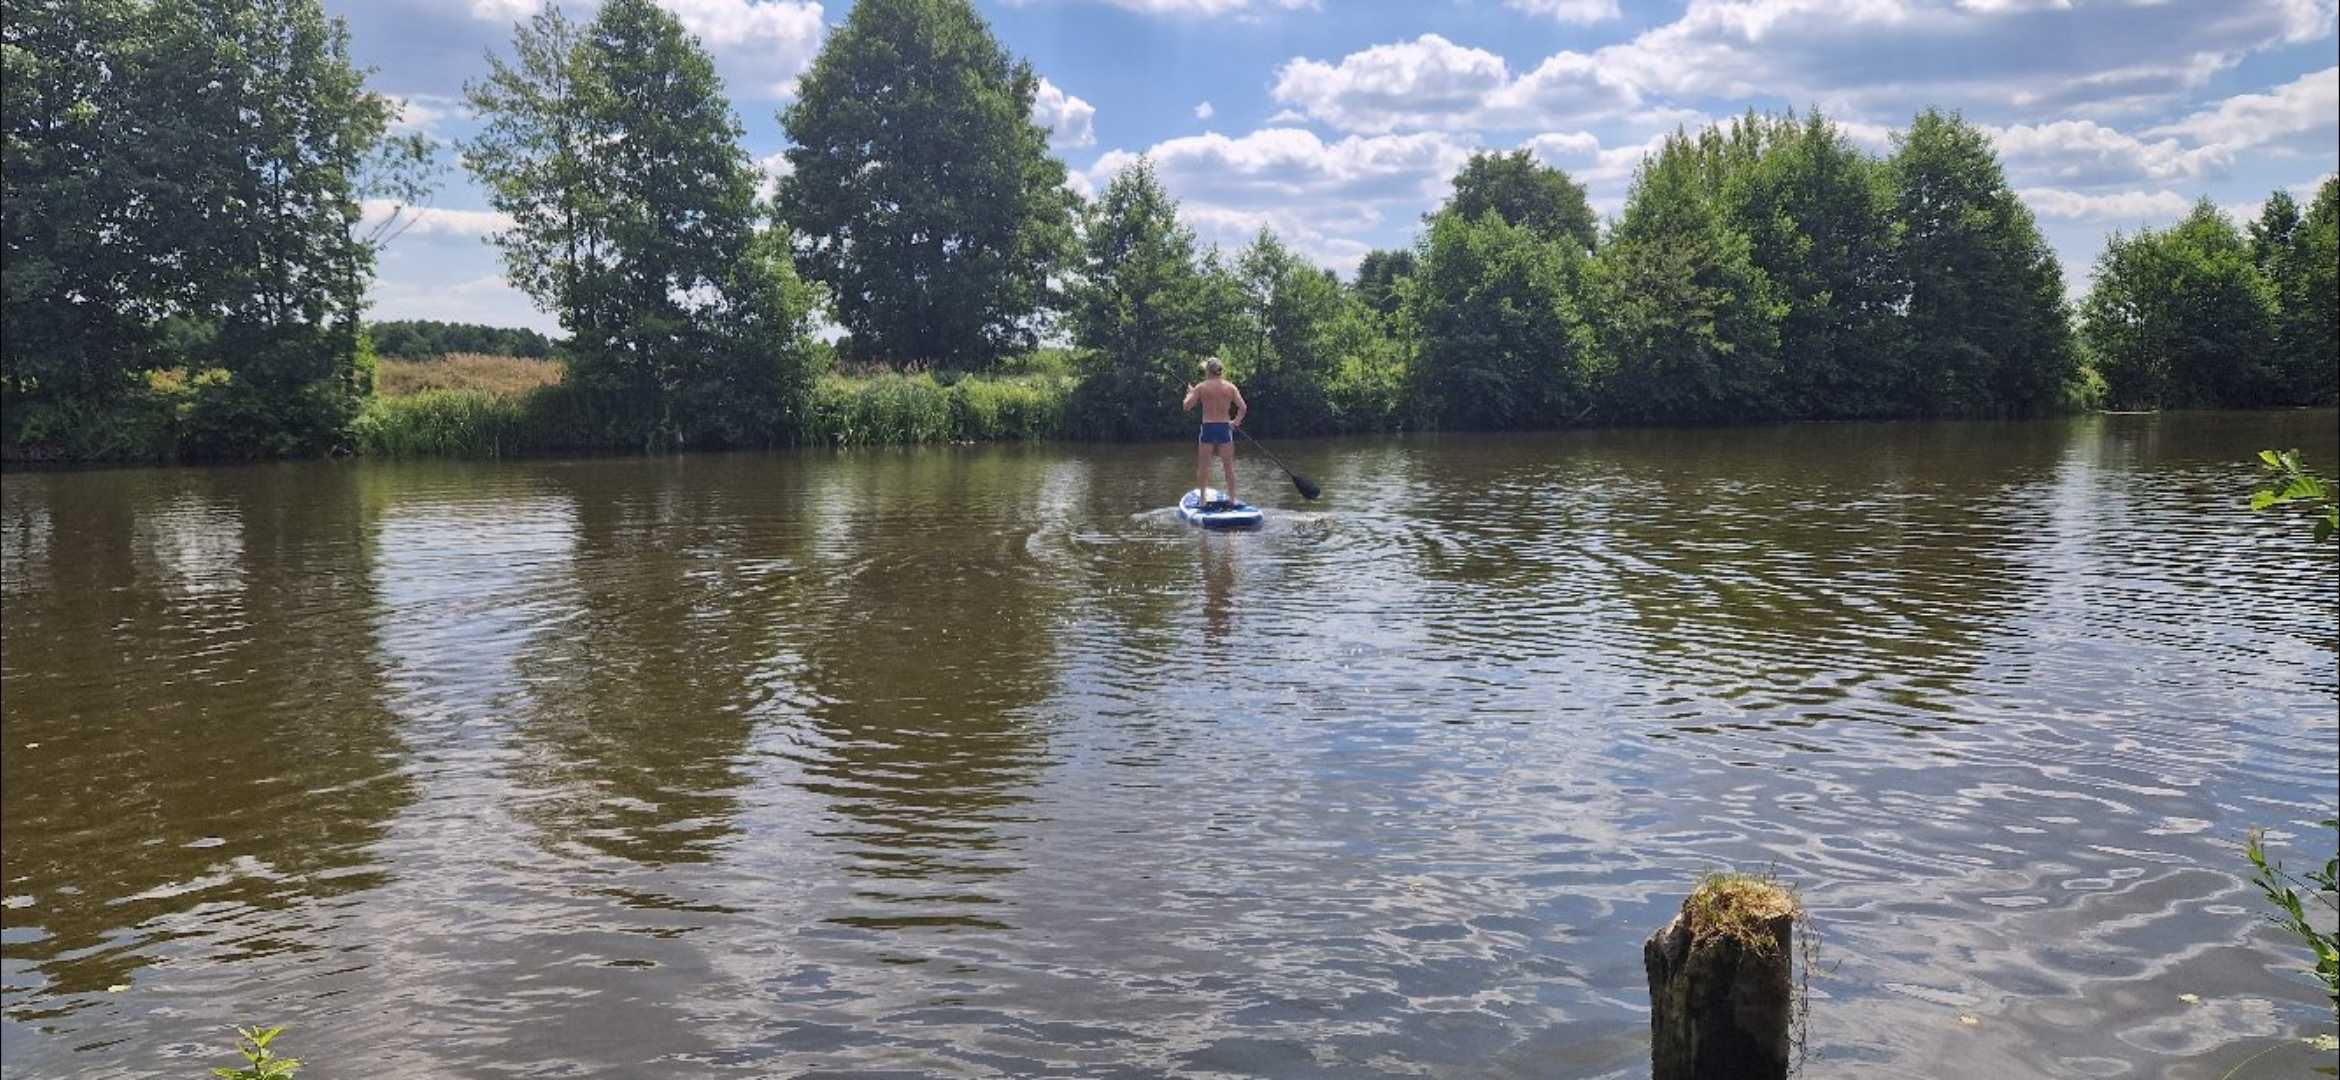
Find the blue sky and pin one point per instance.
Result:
(1338, 124)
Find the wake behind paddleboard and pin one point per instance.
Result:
(1193, 510)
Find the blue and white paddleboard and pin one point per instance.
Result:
(1241, 515)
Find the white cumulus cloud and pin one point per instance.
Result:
(2143, 207)
(1582, 12)
(487, 298)
(1316, 240)
(1291, 163)
(422, 113)
(1199, 8)
(1204, 111)
(1559, 148)
(2308, 104)
(761, 46)
(433, 220)
(773, 166)
(1323, 198)
(1070, 121)
(2086, 152)
(1895, 56)
(504, 11)
(1433, 83)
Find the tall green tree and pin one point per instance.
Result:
(1144, 310)
(2305, 275)
(1288, 350)
(923, 196)
(1816, 213)
(1378, 276)
(2273, 234)
(182, 191)
(616, 153)
(1686, 327)
(2183, 318)
(1538, 198)
(543, 117)
(1492, 313)
(1987, 327)
(79, 294)
(286, 269)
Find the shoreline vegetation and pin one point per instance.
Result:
(183, 285)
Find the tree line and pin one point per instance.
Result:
(1763, 269)
(185, 260)
(421, 339)
(2204, 315)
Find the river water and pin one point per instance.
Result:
(972, 761)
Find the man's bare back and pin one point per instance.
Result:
(1219, 399)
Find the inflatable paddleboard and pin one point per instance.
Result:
(1191, 510)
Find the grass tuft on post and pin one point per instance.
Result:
(1723, 998)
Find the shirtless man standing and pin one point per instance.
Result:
(1216, 396)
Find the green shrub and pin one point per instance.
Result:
(442, 423)
(141, 426)
(876, 410)
(2085, 391)
(888, 409)
(1054, 363)
(1015, 408)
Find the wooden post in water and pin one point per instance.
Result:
(1721, 983)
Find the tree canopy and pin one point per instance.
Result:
(613, 148)
(2186, 317)
(1687, 325)
(1986, 324)
(423, 338)
(182, 184)
(922, 195)
(1378, 275)
(1492, 312)
(1814, 209)
(1146, 307)
(1540, 199)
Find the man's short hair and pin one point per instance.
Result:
(1211, 366)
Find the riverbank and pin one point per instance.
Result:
(884, 409)
(475, 406)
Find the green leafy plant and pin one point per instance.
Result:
(2282, 889)
(2295, 485)
(2280, 886)
(260, 1063)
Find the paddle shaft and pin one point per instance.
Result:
(1306, 487)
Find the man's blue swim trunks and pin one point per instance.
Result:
(1220, 432)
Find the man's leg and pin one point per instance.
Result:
(1227, 462)
(1202, 471)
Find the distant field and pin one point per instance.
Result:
(465, 371)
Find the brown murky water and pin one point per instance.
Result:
(969, 762)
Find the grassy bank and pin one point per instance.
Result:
(506, 375)
(479, 406)
(471, 406)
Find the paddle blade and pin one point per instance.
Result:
(1308, 488)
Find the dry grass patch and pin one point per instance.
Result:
(1739, 907)
(504, 375)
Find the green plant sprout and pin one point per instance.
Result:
(260, 1063)
(2299, 485)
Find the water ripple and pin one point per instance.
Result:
(970, 762)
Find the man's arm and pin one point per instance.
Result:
(1240, 406)
(1190, 397)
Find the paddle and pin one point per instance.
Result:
(1308, 488)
